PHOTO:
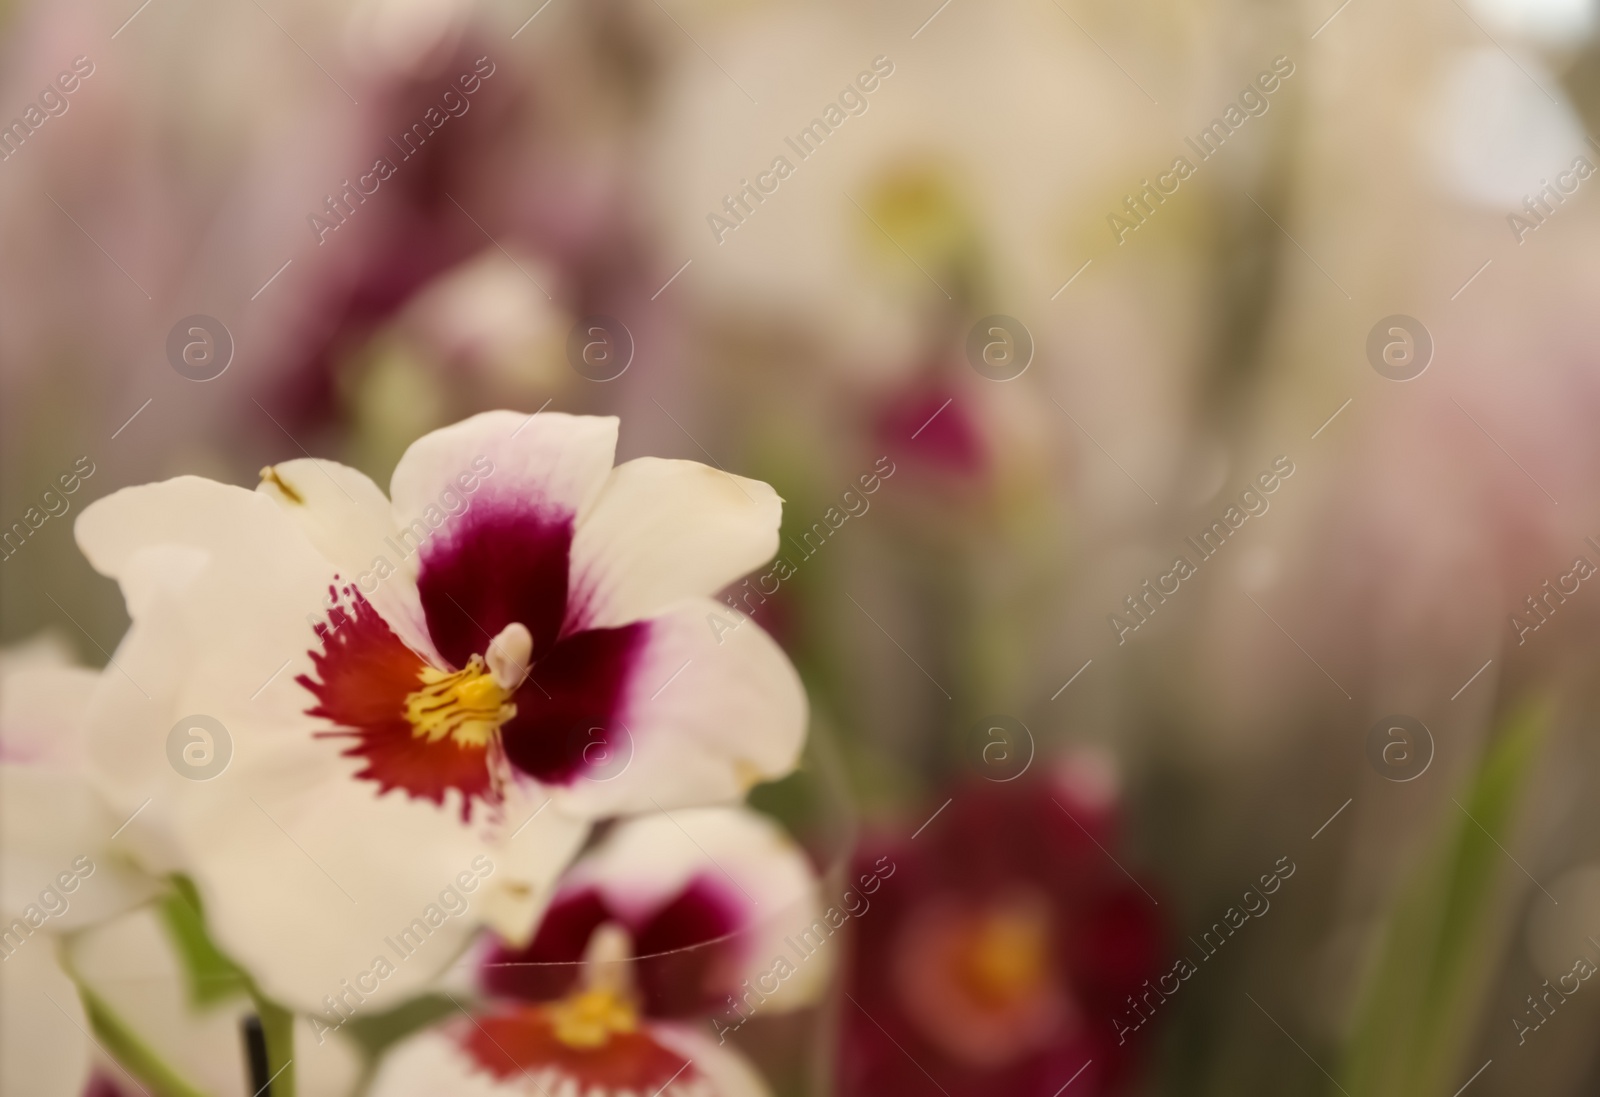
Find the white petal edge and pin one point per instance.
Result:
(663, 530)
(729, 1073)
(56, 854)
(349, 520)
(186, 510)
(548, 459)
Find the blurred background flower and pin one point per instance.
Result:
(1002, 945)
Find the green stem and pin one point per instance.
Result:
(131, 1052)
(277, 1025)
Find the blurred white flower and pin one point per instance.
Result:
(930, 186)
(397, 37)
(1547, 22)
(59, 867)
(1495, 133)
(490, 314)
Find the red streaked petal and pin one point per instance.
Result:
(518, 1040)
(363, 676)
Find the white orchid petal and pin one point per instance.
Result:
(548, 459)
(56, 853)
(431, 1063)
(311, 898)
(186, 510)
(666, 530)
(349, 521)
(726, 1072)
(534, 844)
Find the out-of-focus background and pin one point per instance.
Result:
(1194, 405)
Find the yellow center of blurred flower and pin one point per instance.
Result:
(981, 980)
(1005, 955)
(589, 1019)
(468, 705)
(920, 211)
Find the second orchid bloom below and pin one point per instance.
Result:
(651, 936)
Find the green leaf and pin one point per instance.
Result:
(131, 1052)
(377, 1031)
(210, 975)
(1443, 937)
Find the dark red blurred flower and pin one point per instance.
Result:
(931, 424)
(997, 957)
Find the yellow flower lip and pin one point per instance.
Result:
(605, 1004)
(588, 1019)
(1007, 954)
(468, 705)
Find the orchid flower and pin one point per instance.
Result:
(667, 920)
(425, 701)
(1004, 954)
(718, 906)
